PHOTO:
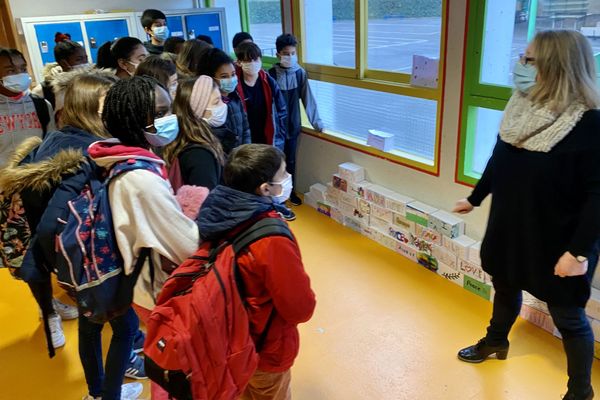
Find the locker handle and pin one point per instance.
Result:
(93, 43)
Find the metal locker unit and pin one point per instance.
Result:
(193, 22)
(90, 30)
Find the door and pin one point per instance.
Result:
(100, 32)
(205, 24)
(175, 25)
(45, 34)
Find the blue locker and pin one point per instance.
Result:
(100, 32)
(205, 24)
(45, 34)
(175, 25)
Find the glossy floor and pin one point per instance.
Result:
(384, 329)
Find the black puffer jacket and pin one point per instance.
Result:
(236, 130)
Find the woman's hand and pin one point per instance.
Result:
(569, 266)
(463, 207)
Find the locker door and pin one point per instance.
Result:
(45, 34)
(205, 24)
(100, 32)
(175, 24)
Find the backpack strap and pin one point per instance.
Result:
(273, 73)
(41, 109)
(266, 227)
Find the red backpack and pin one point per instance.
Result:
(198, 345)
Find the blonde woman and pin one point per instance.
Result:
(544, 224)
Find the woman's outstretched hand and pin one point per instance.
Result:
(463, 207)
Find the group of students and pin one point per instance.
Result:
(226, 128)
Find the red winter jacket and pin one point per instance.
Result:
(274, 276)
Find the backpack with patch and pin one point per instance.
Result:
(88, 259)
(198, 344)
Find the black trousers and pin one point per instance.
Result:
(572, 323)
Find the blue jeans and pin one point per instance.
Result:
(107, 383)
(572, 323)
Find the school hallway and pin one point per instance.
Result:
(384, 328)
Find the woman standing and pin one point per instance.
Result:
(544, 224)
(124, 55)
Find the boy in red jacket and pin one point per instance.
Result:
(256, 185)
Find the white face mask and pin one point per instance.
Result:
(18, 83)
(218, 115)
(81, 66)
(252, 67)
(289, 61)
(286, 189)
(135, 66)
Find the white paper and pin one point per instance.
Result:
(424, 72)
(380, 140)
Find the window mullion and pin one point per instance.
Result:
(361, 18)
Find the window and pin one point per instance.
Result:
(499, 31)
(331, 38)
(399, 29)
(359, 56)
(264, 19)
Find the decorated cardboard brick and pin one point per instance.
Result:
(429, 235)
(340, 183)
(361, 216)
(334, 201)
(346, 209)
(538, 318)
(421, 244)
(382, 213)
(407, 251)
(459, 246)
(332, 195)
(363, 206)
(309, 200)
(373, 234)
(445, 257)
(474, 253)
(376, 195)
(533, 302)
(397, 202)
(400, 235)
(451, 274)
(337, 215)
(447, 224)
(351, 172)
(348, 198)
(389, 242)
(476, 287)
(419, 213)
(403, 223)
(358, 189)
(353, 224)
(380, 224)
(474, 271)
(324, 209)
(593, 305)
(318, 191)
(427, 260)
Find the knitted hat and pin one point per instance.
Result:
(201, 95)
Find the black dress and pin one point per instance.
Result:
(544, 204)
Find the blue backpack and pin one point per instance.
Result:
(88, 260)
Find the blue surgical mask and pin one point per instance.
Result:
(228, 85)
(17, 83)
(524, 76)
(161, 33)
(286, 190)
(167, 129)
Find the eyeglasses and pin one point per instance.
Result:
(526, 60)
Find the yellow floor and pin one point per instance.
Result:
(384, 328)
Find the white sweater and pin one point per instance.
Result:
(147, 215)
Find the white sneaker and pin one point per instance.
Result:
(65, 311)
(131, 391)
(56, 331)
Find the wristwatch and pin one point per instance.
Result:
(581, 259)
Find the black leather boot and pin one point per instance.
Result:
(571, 396)
(480, 351)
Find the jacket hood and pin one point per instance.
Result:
(51, 70)
(226, 208)
(41, 175)
(107, 152)
(61, 81)
(281, 70)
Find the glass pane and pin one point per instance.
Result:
(507, 23)
(265, 24)
(486, 132)
(399, 29)
(329, 32)
(352, 112)
(232, 16)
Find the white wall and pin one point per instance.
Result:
(37, 8)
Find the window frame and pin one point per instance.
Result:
(268, 61)
(385, 81)
(477, 94)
